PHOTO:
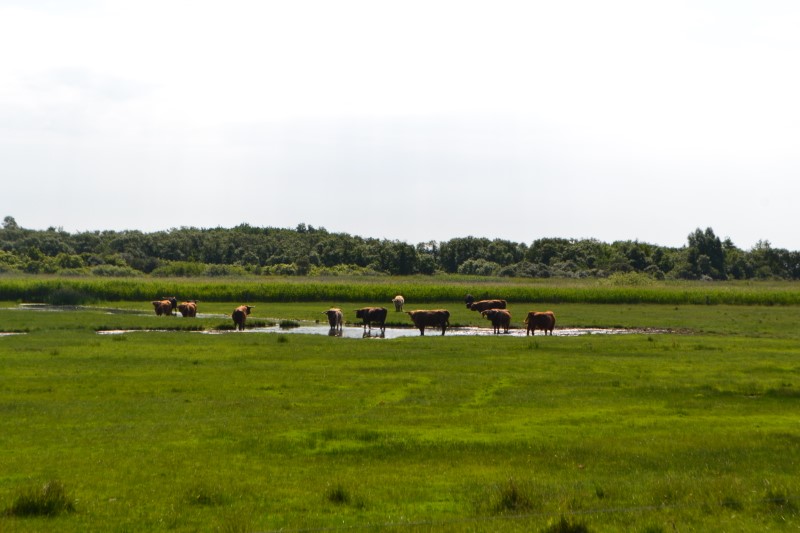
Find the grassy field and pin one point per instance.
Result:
(691, 430)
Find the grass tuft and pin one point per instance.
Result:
(338, 494)
(509, 498)
(565, 526)
(50, 499)
(204, 496)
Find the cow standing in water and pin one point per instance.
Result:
(165, 305)
(335, 318)
(373, 315)
(239, 316)
(430, 318)
(500, 318)
(188, 308)
(544, 320)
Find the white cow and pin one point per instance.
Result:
(398, 302)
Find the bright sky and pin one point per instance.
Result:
(414, 120)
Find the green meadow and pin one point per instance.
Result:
(691, 424)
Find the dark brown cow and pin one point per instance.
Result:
(239, 316)
(468, 299)
(188, 308)
(544, 320)
(165, 305)
(335, 318)
(433, 318)
(483, 305)
(372, 315)
(500, 319)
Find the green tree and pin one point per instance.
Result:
(706, 255)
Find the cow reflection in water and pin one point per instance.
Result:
(377, 335)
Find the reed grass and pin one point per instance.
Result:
(419, 289)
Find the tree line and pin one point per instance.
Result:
(306, 250)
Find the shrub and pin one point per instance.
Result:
(215, 271)
(478, 267)
(68, 296)
(185, 269)
(48, 500)
(113, 271)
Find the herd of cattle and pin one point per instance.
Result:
(493, 310)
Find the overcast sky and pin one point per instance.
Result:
(414, 120)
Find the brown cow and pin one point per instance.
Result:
(239, 316)
(335, 318)
(500, 319)
(188, 308)
(544, 320)
(370, 315)
(432, 318)
(398, 302)
(483, 305)
(165, 305)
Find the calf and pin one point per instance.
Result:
(239, 316)
(335, 318)
(544, 320)
(372, 315)
(483, 305)
(188, 308)
(430, 318)
(500, 319)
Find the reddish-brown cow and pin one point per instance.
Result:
(433, 318)
(500, 319)
(188, 308)
(483, 305)
(239, 316)
(165, 305)
(544, 320)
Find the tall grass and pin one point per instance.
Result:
(418, 289)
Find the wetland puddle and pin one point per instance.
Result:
(357, 332)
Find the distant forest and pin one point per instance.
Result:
(308, 251)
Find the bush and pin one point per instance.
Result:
(344, 270)
(224, 270)
(113, 271)
(184, 269)
(68, 296)
(478, 267)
